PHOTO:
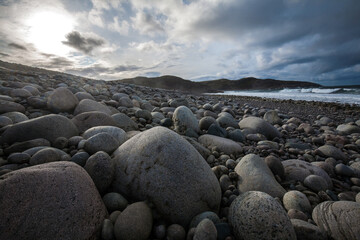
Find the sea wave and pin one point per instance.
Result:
(315, 90)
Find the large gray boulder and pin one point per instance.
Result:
(225, 145)
(49, 127)
(340, 220)
(184, 119)
(62, 100)
(50, 201)
(298, 170)
(258, 125)
(256, 215)
(88, 105)
(160, 166)
(255, 175)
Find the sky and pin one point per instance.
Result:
(305, 40)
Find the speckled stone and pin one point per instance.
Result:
(257, 215)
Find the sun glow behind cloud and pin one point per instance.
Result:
(47, 30)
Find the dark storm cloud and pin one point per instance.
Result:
(81, 43)
(325, 34)
(4, 54)
(99, 69)
(55, 62)
(17, 46)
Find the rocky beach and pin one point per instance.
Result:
(93, 159)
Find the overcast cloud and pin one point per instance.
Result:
(308, 40)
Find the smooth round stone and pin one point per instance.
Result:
(198, 218)
(216, 130)
(348, 129)
(145, 114)
(83, 95)
(272, 117)
(49, 127)
(160, 160)
(88, 105)
(254, 175)
(206, 122)
(37, 102)
(18, 158)
(126, 102)
(184, 119)
(296, 214)
(357, 198)
(225, 182)
(124, 122)
(225, 145)
(8, 106)
(114, 201)
(258, 125)
(355, 181)
(207, 106)
(340, 220)
(62, 100)
(296, 200)
(236, 135)
(80, 158)
(107, 230)
(157, 115)
(16, 117)
(205, 230)
(230, 163)
(347, 196)
(115, 132)
(101, 142)
(343, 170)
(22, 93)
(227, 121)
(4, 121)
(331, 151)
(175, 232)
(60, 143)
(315, 183)
(257, 215)
(134, 223)
(44, 156)
(114, 215)
(275, 166)
(307, 231)
(100, 167)
(298, 170)
(51, 195)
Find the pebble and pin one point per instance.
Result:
(114, 202)
(134, 223)
(343, 170)
(315, 183)
(296, 200)
(205, 230)
(175, 232)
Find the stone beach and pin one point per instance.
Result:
(90, 159)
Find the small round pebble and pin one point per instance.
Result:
(114, 201)
(315, 183)
(175, 232)
(206, 230)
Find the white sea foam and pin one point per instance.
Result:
(339, 95)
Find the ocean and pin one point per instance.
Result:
(337, 95)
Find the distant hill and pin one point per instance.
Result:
(177, 83)
(250, 83)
